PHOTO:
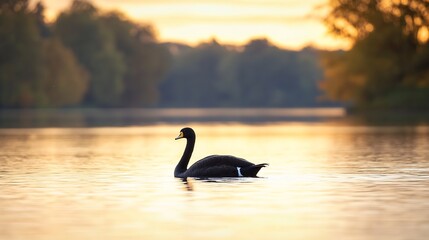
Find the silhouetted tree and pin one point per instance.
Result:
(39, 13)
(34, 71)
(81, 29)
(388, 65)
(21, 65)
(146, 60)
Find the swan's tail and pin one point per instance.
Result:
(252, 170)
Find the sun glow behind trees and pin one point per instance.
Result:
(286, 23)
(127, 63)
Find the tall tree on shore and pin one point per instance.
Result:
(388, 64)
(81, 29)
(20, 56)
(35, 70)
(146, 60)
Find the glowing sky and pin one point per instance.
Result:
(286, 23)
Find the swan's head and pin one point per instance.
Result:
(186, 133)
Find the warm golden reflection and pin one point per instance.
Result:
(324, 181)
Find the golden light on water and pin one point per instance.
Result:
(289, 24)
(323, 181)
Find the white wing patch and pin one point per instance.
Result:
(239, 172)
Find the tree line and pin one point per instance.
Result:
(257, 74)
(91, 58)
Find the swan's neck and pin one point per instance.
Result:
(183, 163)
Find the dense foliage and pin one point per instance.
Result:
(388, 65)
(35, 70)
(256, 75)
(85, 58)
(91, 58)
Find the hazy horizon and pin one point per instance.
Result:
(288, 24)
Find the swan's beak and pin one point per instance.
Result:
(180, 136)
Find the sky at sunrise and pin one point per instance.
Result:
(287, 23)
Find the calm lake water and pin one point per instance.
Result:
(325, 181)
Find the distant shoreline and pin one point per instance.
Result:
(83, 117)
(108, 117)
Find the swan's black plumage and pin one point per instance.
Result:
(214, 165)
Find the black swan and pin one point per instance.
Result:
(214, 165)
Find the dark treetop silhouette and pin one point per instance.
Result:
(214, 165)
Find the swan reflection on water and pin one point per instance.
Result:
(188, 183)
